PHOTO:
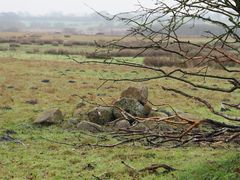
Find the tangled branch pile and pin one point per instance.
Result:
(175, 131)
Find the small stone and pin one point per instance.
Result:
(147, 110)
(89, 167)
(72, 81)
(31, 101)
(71, 123)
(101, 94)
(45, 80)
(131, 106)
(123, 124)
(53, 116)
(101, 115)
(90, 127)
(10, 87)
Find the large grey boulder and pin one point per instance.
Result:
(101, 115)
(49, 117)
(135, 93)
(89, 127)
(131, 106)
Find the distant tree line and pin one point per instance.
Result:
(19, 22)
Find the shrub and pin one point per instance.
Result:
(14, 45)
(67, 43)
(55, 43)
(33, 51)
(163, 61)
(51, 51)
(95, 55)
(177, 62)
(62, 51)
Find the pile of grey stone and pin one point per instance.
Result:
(132, 100)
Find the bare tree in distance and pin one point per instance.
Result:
(157, 27)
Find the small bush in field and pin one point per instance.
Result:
(67, 43)
(55, 43)
(95, 55)
(163, 61)
(51, 51)
(25, 42)
(14, 45)
(47, 41)
(62, 51)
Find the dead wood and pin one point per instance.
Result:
(151, 169)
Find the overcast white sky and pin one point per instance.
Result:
(38, 7)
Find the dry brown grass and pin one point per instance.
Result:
(164, 61)
(22, 80)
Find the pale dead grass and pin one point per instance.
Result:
(26, 77)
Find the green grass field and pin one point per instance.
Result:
(44, 154)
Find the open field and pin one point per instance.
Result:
(21, 76)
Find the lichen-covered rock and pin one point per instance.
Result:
(90, 127)
(147, 110)
(123, 124)
(139, 94)
(101, 115)
(49, 117)
(132, 106)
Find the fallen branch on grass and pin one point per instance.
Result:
(181, 131)
(206, 103)
(7, 137)
(152, 168)
(236, 106)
